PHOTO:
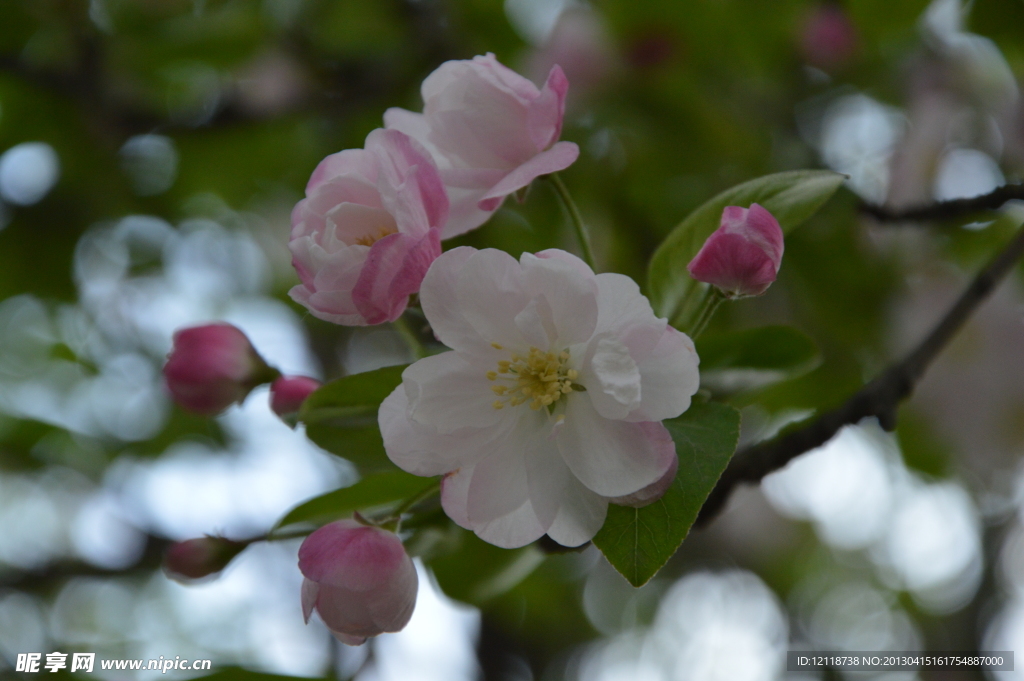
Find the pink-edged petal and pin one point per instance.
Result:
(571, 295)
(393, 270)
(547, 111)
(499, 485)
(391, 606)
(309, 593)
(448, 393)
(656, 490)
(559, 157)
(612, 458)
(518, 528)
(406, 168)
(580, 515)
(414, 125)
(347, 639)
(669, 376)
(357, 162)
(582, 268)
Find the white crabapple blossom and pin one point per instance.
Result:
(549, 405)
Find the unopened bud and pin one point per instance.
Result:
(212, 367)
(197, 558)
(742, 257)
(287, 393)
(359, 578)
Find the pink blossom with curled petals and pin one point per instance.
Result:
(212, 367)
(551, 400)
(491, 132)
(288, 393)
(742, 257)
(367, 231)
(359, 578)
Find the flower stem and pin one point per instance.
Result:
(410, 338)
(427, 492)
(712, 299)
(574, 216)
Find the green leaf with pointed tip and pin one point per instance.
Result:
(639, 541)
(372, 491)
(791, 197)
(754, 358)
(341, 416)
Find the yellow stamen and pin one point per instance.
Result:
(491, 375)
(497, 346)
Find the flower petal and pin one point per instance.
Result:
(559, 157)
(518, 528)
(612, 458)
(580, 515)
(612, 379)
(309, 593)
(670, 377)
(357, 162)
(448, 393)
(547, 111)
(571, 295)
(394, 269)
(491, 293)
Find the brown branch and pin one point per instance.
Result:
(879, 398)
(947, 210)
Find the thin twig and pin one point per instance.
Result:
(574, 217)
(879, 398)
(947, 210)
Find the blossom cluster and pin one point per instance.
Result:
(548, 405)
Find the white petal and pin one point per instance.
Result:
(669, 377)
(612, 379)
(547, 474)
(490, 294)
(441, 304)
(518, 528)
(612, 458)
(580, 516)
(421, 450)
(498, 486)
(571, 295)
(448, 393)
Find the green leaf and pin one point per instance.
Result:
(791, 197)
(753, 358)
(370, 492)
(639, 541)
(341, 416)
(476, 571)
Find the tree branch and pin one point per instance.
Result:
(947, 210)
(880, 398)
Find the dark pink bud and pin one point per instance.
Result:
(828, 39)
(288, 393)
(359, 578)
(743, 255)
(212, 367)
(651, 493)
(196, 558)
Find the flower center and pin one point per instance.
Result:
(371, 239)
(540, 378)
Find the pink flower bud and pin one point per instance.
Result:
(828, 39)
(743, 255)
(195, 558)
(288, 393)
(359, 578)
(212, 367)
(654, 491)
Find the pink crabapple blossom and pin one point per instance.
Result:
(288, 393)
(551, 400)
(742, 257)
(367, 231)
(359, 578)
(212, 367)
(491, 132)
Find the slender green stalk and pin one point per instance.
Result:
(709, 306)
(407, 334)
(427, 492)
(574, 216)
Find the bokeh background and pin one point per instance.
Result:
(150, 154)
